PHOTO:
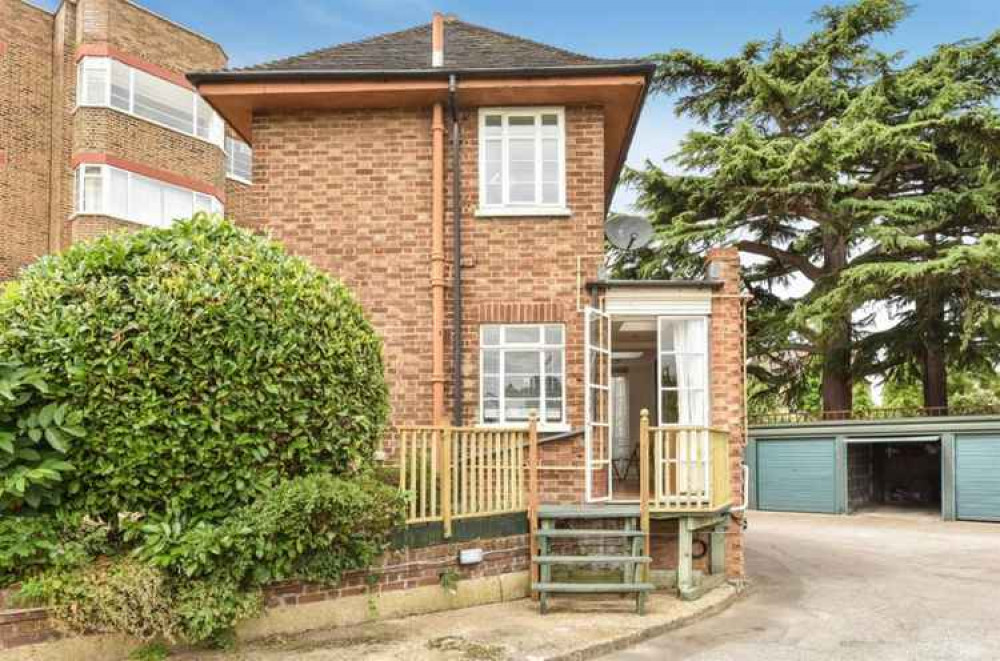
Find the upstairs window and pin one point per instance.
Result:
(111, 191)
(103, 81)
(239, 160)
(521, 370)
(522, 161)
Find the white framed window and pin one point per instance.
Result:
(111, 191)
(522, 369)
(683, 370)
(93, 75)
(239, 160)
(106, 82)
(522, 161)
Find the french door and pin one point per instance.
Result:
(597, 404)
(682, 388)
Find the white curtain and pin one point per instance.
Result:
(689, 345)
(622, 442)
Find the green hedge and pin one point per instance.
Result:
(206, 365)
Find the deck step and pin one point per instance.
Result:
(588, 511)
(584, 559)
(592, 588)
(563, 533)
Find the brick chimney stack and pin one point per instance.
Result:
(724, 265)
(437, 40)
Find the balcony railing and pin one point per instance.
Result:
(456, 472)
(690, 469)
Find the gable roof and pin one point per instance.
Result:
(466, 47)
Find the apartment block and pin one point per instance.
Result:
(100, 131)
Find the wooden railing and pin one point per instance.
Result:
(690, 468)
(455, 472)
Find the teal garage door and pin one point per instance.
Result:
(797, 475)
(977, 477)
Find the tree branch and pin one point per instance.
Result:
(783, 257)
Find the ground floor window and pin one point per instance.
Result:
(522, 369)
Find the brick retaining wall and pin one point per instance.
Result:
(399, 569)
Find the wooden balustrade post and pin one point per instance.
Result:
(445, 456)
(533, 496)
(644, 485)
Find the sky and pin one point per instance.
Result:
(253, 31)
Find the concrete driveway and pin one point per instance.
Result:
(873, 586)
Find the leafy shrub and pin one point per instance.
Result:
(209, 611)
(206, 364)
(125, 596)
(232, 398)
(29, 544)
(197, 584)
(34, 436)
(313, 527)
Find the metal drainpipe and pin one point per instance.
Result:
(456, 265)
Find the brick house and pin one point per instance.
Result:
(458, 179)
(100, 130)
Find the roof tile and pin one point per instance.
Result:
(466, 46)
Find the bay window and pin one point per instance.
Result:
(683, 371)
(522, 161)
(111, 191)
(522, 370)
(106, 82)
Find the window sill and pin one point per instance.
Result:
(513, 212)
(239, 180)
(542, 427)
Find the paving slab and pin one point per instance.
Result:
(574, 629)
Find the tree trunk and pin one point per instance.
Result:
(837, 382)
(838, 396)
(933, 359)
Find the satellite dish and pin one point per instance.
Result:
(629, 232)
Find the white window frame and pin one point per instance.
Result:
(705, 372)
(230, 172)
(508, 208)
(216, 125)
(540, 347)
(104, 208)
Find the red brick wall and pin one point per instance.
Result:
(411, 568)
(238, 200)
(25, 136)
(525, 269)
(727, 384)
(396, 570)
(85, 228)
(351, 191)
(25, 627)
